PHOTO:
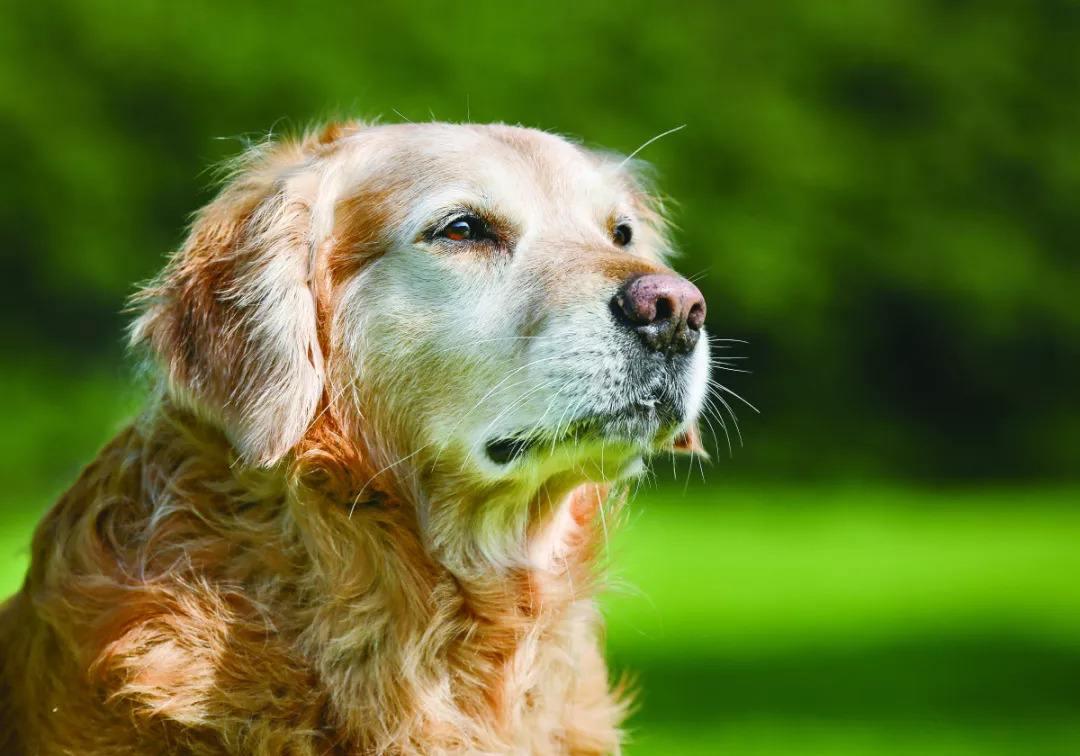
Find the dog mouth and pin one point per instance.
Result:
(503, 451)
(638, 424)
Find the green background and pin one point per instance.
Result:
(879, 197)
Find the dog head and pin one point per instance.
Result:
(480, 305)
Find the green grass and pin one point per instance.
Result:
(851, 621)
(837, 621)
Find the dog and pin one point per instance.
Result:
(400, 374)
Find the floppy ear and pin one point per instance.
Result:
(232, 319)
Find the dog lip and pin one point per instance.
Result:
(503, 451)
(649, 415)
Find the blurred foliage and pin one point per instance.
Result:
(879, 196)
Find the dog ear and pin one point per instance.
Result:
(232, 318)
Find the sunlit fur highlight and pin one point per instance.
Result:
(273, 558)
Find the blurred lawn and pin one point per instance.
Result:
(851, 621)
(836, 620)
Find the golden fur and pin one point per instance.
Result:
(252, 568)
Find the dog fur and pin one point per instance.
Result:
(298, 547)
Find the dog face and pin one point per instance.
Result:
(482, 303)
(519, 320)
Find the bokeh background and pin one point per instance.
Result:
(879, 197)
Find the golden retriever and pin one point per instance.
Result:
(398, 370)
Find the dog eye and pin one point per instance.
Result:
(465, 228)
(622, 234)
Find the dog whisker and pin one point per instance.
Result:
(656, 138)
(726, 390)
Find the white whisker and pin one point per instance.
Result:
(656, 138)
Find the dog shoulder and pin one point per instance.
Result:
(128, 619)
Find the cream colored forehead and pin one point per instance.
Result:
(527, 176)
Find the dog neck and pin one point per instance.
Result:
(495, 583)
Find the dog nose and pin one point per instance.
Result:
(665, 310)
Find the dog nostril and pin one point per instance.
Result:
(696, 317)
(665, 308)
